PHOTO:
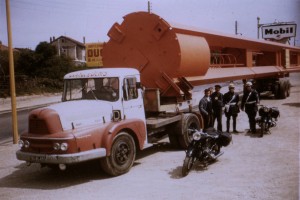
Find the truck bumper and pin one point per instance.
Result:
(61, 158)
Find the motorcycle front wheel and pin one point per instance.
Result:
(187, 165)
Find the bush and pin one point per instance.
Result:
(39, 71)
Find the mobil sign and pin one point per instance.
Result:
(278, 31)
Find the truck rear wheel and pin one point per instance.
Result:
(189, 121)
(123, 152)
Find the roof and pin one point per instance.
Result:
(102, 73)
(70, 39)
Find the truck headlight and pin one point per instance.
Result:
(26, 144)
(64, 146)
(56, 146)
(21, 143)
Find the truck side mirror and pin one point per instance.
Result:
(139, 85)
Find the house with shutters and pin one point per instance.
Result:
(71, 48)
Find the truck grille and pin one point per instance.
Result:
(38, 126)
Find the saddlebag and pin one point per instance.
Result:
(224, 138)
(275, 112)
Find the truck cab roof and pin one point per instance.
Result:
(101, 73)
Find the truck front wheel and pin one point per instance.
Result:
(122, 155)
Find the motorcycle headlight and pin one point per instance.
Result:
(196, 136)
(266, 109)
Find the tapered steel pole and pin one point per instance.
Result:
(12, 77)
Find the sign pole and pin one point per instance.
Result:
(12, 77)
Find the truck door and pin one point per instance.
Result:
(132, 99)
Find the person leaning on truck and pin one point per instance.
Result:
(249, 104)
(205, 108)
(231, 100)
(217, 105)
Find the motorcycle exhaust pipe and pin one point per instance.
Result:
(214, 157)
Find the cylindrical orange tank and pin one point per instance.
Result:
(148, 43)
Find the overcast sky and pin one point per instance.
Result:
(34, 21)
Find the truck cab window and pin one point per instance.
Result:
(106, 89)
(130, 89)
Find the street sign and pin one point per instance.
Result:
(93, 55)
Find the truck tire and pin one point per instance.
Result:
(123, 152)
(189, 121)
(173, 138)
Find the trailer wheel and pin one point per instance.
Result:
(123, 152)
(283, 91)
(288, 88)
(189, 121)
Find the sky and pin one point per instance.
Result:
(34, 21)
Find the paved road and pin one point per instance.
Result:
(6, 123)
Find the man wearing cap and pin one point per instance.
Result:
(217, 104)
(249, 104)
(231, 100)
(205, 108)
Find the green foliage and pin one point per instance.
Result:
(36, 71)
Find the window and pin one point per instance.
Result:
(130, 89)
(106, 89)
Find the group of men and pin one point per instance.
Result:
(212, 104)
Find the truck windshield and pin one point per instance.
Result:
(106, 89)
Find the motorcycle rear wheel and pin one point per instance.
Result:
(187, 165)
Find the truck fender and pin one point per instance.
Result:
(135, 127)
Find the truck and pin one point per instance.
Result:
(144, 92)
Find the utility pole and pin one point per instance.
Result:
(236, 28)
(12, 77)
(258, 27)
(149, 7)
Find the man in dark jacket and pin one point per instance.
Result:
(231, 100)
(217, 105)
(205, 108)
(249, 104)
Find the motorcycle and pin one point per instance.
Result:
(267, 118)
(205, 148)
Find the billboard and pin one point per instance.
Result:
(93, 55)
(278, 31)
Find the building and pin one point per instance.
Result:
(70, 47)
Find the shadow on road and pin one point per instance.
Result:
(35, 177)
(198, 167)
(292, 104)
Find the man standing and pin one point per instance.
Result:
(217, 104)
(231, 100)
(205, 108)
(249, 102)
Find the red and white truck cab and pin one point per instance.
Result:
(101, 116)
